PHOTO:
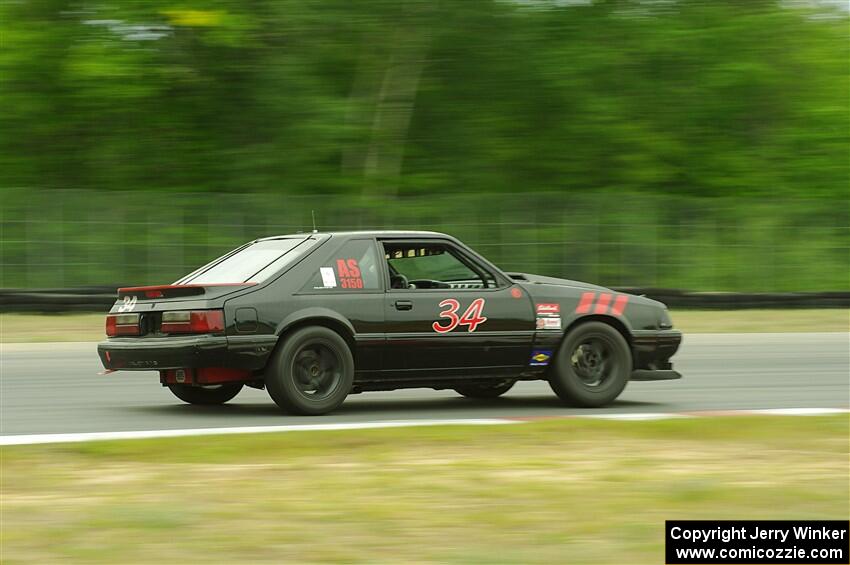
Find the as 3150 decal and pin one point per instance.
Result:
(349, 273)
(472, 317)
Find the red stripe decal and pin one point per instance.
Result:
(602, 305)
(619, 305)
(585, 303)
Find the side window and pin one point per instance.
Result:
(432, 265)
(351, 268)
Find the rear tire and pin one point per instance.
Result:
(592, 366)
(206, 395)
(312, 371)
(486, 390)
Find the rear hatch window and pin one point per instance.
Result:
(252, 263)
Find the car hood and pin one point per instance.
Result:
(539, 279)
(529, 279)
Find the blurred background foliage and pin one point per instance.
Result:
(700, 144)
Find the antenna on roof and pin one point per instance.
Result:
(313, 213)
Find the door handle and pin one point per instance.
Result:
(403, 305)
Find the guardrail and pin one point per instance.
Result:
(101, 298)
(55, 300)
(75, 238)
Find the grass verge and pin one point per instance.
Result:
(555, 491)
(733, 321)
(26, 328)
(23, 328)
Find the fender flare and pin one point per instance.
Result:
(620, 323)
(315, 313)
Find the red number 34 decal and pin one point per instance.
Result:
(471, 318)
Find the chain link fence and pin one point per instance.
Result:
(79, 238)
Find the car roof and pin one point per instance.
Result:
(371, 233)
(390, 234)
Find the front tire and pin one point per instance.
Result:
(312, 372)
(592, 367)
(205, 395)
(486, 390)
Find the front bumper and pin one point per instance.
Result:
(156, 353)
(655, 375)
(652, 350)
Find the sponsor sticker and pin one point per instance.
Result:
(540, 358)
(548, 316)
(548, 309)
(328, 277)
(549, 323)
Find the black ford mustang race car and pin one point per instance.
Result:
(314, 317)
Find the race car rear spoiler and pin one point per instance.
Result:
(172, 290)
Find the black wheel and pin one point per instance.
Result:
(311, 372)
(486, 390)
(592, 366)
(208, 394)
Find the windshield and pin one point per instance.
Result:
(253, 263)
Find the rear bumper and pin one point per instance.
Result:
(152, 354)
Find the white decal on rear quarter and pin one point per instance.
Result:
(328, 277)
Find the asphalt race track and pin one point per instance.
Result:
(54, 388)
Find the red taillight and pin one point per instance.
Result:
(192, 321)
(122, 324)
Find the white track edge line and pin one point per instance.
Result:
(637, 416)
(151, 434)
(799, 411)
(31, 439)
